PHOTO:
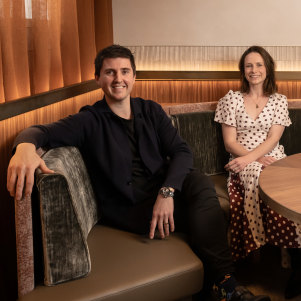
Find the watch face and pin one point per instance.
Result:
(166, 192)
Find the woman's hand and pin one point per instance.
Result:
(238, 164)
(265, 161)
(244, 156)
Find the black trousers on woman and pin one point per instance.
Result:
(197, 212)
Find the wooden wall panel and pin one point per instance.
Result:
(292, 89)
(177, 91)
(9, 128)
(193, 91)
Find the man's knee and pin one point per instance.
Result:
(197, 181)
(201, 200)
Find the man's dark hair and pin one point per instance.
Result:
(269, 85)
(113, 51)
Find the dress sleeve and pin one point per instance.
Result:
(226, 109)
(281, 115)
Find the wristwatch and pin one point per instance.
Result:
(167, 192)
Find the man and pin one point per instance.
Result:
(141, 169)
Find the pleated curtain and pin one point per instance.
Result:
(45, 45)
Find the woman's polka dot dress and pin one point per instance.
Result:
(252, 223)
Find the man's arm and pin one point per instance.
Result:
(180, 165)
(22, 166)
(21, 169)
(174, 147)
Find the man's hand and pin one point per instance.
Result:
(265, 161)
(162, 217)
(21, 168)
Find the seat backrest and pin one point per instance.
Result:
(291, 138)
(204, 136)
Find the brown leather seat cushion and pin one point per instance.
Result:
(126, 266)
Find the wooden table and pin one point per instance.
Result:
(280, 187)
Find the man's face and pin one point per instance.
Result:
(116, 79)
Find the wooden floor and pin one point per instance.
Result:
(264, 274)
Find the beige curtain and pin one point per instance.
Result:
(1, 78)
(53, 48)
(14, 51)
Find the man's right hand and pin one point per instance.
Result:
(21, 169)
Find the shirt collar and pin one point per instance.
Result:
(135, 106)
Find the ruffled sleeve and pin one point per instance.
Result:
(281, 115)
(226, 109)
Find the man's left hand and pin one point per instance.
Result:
(162, 217)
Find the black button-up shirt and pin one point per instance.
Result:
(103, 142)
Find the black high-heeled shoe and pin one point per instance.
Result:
(293, 287)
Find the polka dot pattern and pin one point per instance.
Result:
(251, 230)
(252, 223)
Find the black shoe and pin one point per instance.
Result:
(293, 287)
(243, 294)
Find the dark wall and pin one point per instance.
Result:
(8, 267)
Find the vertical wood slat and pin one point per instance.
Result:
(193, 91)
(177, 91)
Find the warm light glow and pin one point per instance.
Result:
(28, 9)
(208, 58)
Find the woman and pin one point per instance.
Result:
(253, 121)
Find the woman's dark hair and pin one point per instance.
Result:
(113, 51)
(269, 85)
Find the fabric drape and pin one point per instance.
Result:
(51, 47)
(15, 70)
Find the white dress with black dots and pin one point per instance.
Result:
(253, 223)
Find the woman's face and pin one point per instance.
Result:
(255, 70)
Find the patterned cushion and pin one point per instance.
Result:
(68, 212)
